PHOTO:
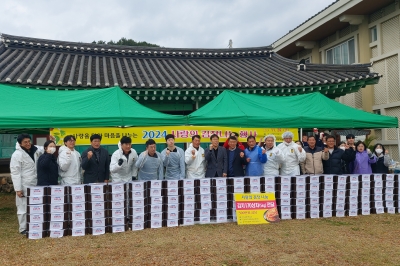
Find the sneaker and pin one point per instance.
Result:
(24, 232)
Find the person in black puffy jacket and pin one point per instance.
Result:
(47, 168)
(333, 165)
(383, 160)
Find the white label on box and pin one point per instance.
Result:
(156, 200)
(188, 198)
(36, 200)
(238, 181)
(300, 215)
(35, 227)
(286, 216)
(97, 214)
(118, 213)
(340, 199)
(118, 196)
(80, 206)
(137, 185)
(156, 224)
(389, 204)
(206, 197)
(172, 223)
(173, 199)
(364, 198)
(389, 190)
(340, 206)
(98, 231)
(56, 217)
(155, 184)
(390, 177)
(222, 205)
(188, 183)
(137, 218)
(172, 183)
(300, 201)
(314, 194)
(300, 187)
(118, 229)
(255, 181)
(206, 205)
(204, 220)
(380, 210)
(36, 208)
(314, 207)
(378, 184)
(342, 179)
(314, 200)
(366, 184)
(354, 185)
(238, 189)
(117, 187)
(328, 178)
(221, 190)
(222, 197)
(204, 212)
(35, 235)
(156, 216)
(365, 205)
(137, 210)
(156, 208)
(300, 180)
(353, 206)
(328, 193)
(98, 222)
(254, 188)
(366, 178)
(353, 212)
(353, 192)
(389, 197)
(98, 205)
(188, 213)
(328, 200)
(341, 186)
(300, 208)
(365, 191)
(137, 194)
(314, 214)
(155, 192)
(57, 199)
(137, 202)
(220, 182)
(97, 197)
(205, 190)
(137, 226)
(188, 221)
(76, 224)
(78, 232)
(190, 190)
(377, 190)
(118, 220)
(353, 199)
(327, 206)
(221, 212)
(56, 233)
(327, 213)
(314, 187)
(314, 179)
(77, 189)
(188, 206)
(354, 179)
(57, 190)
(378, 204)
(285, 194)
(391, 210)
(270, 180)
(285, 209)
(222, 219)
(286, 180)
(285, 202)
(340, 213)
(118, 204)
(377, 177)
(78, 215)
(389, 184)
(36, 191)
(173, 207)
(206, 182)
(172, 215)
(96, 188)
(285, 187)
(172, 191)
(269, 188)
(78, 198)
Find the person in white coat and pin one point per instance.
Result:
(275, 156)
(294, 155)
(23, 173)
(69, 162)
(122, 166)
(174, 159)
(195, 160)
(149, 163)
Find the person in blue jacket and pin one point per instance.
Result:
(255, 157)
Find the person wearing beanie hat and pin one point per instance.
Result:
(173, 159)
(294, 155)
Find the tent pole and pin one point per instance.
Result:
(398, 141)
(301, 135)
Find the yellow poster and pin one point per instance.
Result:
(183, 134)
(256, 208)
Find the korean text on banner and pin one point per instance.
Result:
(256, 208)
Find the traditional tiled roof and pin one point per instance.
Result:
(61, 64)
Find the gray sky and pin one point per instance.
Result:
(169, 23)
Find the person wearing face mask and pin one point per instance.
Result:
(383, 160)
(364, 159)
(47, 168)
(294, 155)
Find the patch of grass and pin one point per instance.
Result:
(336, 222)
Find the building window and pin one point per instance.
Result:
(342, 54)
(373, 34)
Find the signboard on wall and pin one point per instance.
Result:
(183, 134)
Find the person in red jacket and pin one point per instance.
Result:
(239, 144)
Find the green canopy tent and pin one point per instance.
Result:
(302, 111)
(33, 108)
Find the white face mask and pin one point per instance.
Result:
(378, 151)
(51, 150)
(341, 147)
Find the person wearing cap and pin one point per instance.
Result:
(275, 156)
(294, 155)
(217, 161)
(122, 166)
(195, 159)
(239, 144)
(95, 162)
(314, 155)
(350, 139)
(150, 165)
(173, 159)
